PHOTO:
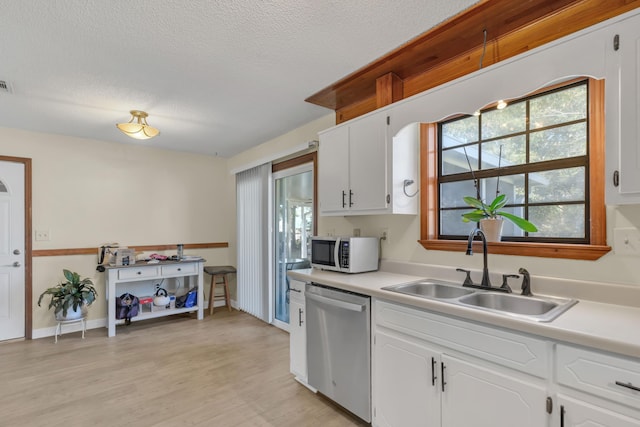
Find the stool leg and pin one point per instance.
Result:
(212, 293)
(227, 297)
(84, 327)
(58, 331)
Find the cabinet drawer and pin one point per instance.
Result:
(178, 269)
(612, 377)
(138, 272)
(521, 352)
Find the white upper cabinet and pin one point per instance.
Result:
(362, 169)
(622, 99)
(333, 170)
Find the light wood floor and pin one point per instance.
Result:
(226, 370)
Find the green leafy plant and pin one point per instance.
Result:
(70, 294)
(492, 210)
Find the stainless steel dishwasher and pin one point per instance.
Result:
(339, 346)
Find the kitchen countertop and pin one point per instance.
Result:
(607, 327)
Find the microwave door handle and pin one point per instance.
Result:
(336, 303)
(336, 254)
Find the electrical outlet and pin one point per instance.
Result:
(356, 232)
(43, 235)
(626, 241)
(331, 232)
(384, 234)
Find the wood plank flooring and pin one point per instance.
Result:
(229, 369)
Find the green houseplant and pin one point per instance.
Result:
(71, 295)
(492, 211)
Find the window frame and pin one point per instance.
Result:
(594, 249)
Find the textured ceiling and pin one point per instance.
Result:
(216, 77)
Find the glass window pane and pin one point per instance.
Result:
(455, 160)
(514, 151)
(558, 220)
(558, 107)
(460, 132)
(511, 185)
(561, 185)
(511, 119)
(451, 223)
(558, 143)
(509, 229)
(451, 193)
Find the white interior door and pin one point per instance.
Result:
(12, 271)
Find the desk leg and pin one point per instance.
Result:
(111, 302)
(200, 291)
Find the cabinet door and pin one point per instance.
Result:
(405, 387)
(577, 413)
(368, 163)
(623, 113)
(481, 397)
(297, 339)
(333, 171)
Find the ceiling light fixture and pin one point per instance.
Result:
(139, 129)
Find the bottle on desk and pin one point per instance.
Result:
(180, 251)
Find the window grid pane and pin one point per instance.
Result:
(555, 200)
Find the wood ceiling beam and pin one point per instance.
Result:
(453, 49)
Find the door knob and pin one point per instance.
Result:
(16, 252)
(16, 264)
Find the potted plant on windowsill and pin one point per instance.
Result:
(489, 216)
(71, 297)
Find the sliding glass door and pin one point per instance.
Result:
(293, 228)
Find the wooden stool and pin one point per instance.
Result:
(215, 272)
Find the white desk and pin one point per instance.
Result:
(141, 280)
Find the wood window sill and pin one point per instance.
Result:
(543, 250)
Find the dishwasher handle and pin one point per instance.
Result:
(336, 303)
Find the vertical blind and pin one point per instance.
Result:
(252, 195)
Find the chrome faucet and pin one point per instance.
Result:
(485, 271)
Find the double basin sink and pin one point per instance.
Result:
(540, 309)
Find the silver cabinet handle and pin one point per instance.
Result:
(295, 290)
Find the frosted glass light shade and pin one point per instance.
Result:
(139, 129)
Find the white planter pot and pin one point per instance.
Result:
(492, 229)
(72, 314)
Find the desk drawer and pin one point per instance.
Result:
(138, 272)
(612, 377)
(179, 269)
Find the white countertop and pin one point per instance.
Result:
(608, 327)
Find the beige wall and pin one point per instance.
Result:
(89, 192)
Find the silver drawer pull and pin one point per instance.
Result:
(627, 385)
(295, 290)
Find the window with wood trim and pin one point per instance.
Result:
(545, 152)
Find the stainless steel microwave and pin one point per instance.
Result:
(345, 254)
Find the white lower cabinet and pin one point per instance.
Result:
(406, 390)
(415, 385)
(297, 331)
(597, 389)
(578, 413)
(417, 382)
(473, 395)
(435, 370)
